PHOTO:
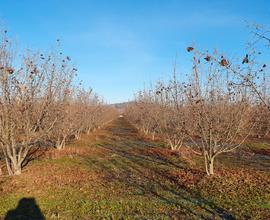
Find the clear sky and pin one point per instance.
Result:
(120, 46)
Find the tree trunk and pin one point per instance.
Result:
(14, 158)
(172, 146)
(17, 169)
(13, 166)
(78, 135)
(175, 144)
(145, 131)
(8, 167)
(88, 131)
(60, 144)
(209, 165)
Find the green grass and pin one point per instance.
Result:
(123, 177)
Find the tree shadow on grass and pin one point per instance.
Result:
(27, 209)
(129, 163)
(147, 174)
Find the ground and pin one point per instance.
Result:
(117, 174)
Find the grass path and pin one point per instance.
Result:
(118, 175)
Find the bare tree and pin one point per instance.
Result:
(208, 113)
(140, 113)
(219, 111)
(160, 112)
(41, 105)
(252, 73)
(27, 97)
(81, 112)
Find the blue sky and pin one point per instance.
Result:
(120, 46)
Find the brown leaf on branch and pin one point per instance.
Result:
(207, 58)
(10, 70)
(224, 62)
(189, 49)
